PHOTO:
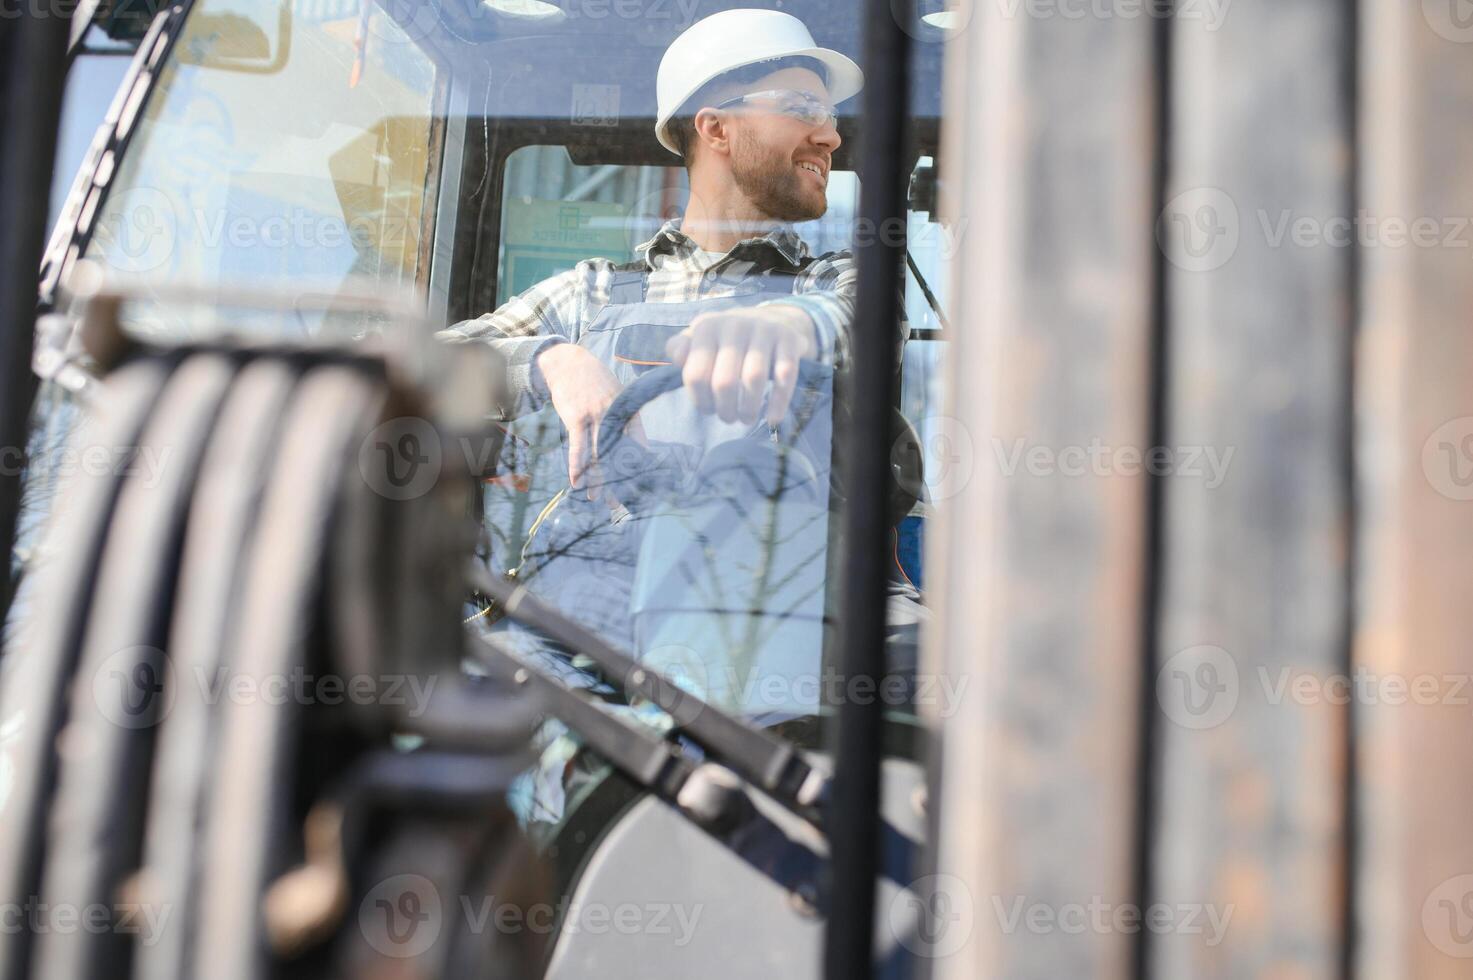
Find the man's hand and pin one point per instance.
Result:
(582, 389)
(728, 357)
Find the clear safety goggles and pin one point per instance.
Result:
(802, 106)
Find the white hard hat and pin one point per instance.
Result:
(733, 39)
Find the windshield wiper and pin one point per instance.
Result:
(761, 759)
(710, 795)
(931, 299)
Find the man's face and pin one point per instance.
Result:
(779, 162)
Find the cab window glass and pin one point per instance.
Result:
(503, 155)
(96, 71)
(931, 244)
(284, 143)
(556, 213)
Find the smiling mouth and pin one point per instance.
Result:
(814, 169)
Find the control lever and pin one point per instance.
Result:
(709, 794)
(764, 760)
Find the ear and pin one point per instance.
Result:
(714, 129)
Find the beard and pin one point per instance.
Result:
(770, 181)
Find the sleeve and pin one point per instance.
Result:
(523, 327)
(826, 292)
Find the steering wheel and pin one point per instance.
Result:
(666, 378)
(907, 465)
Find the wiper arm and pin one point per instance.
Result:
(708, 794)
(931, 299)
(648, 759)
(763, 760)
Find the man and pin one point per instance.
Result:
(746, 99)
(728, 292)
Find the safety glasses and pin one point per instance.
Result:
(802, 106)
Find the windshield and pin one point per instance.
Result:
(499, 161)
(281, 143)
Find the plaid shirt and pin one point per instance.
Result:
(559, 309)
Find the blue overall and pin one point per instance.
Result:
(721, 582)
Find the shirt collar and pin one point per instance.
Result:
(670, 240)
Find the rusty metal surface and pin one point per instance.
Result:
(1041, 552)
(1251, 780)
(1414, 869)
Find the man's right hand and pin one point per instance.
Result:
(582, 389)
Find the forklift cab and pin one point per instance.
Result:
(458, 153)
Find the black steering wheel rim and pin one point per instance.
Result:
(662, 380)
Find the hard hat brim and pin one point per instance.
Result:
(844, 81)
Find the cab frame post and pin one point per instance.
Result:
(33, 66)
(865, 468)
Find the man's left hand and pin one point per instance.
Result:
(727, 359)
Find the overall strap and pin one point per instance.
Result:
(782, 281)
(629, 284)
